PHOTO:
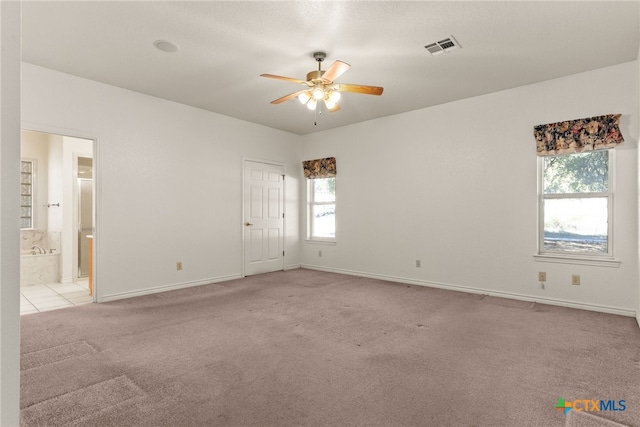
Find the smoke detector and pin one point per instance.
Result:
(443, 46)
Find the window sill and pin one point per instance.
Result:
(568, 259)
(321, 242)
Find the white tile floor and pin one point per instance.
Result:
(36, 298)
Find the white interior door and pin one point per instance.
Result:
(263, 217)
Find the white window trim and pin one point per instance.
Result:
(604, 260)
(581, 260)
(318, 241)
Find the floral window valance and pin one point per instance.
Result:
(574, 136)
(320, 168)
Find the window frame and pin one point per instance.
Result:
(33, 192)
(311, 203)
(604, 259)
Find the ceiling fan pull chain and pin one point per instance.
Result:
(315, 113)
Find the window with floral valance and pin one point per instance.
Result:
(574, 136)
(575, 201)
(321, 199)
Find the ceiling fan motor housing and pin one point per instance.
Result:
(312, 76)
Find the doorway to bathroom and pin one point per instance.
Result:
(57, 221)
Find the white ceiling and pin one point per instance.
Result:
(225, 46)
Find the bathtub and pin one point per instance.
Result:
(39, 269)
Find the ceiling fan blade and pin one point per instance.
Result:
(287, 97)
(367, 90)
(334, 109)
(288, 79)
(335, 71)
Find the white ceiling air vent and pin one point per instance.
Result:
(443, 46)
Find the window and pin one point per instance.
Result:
(576, 204)
(322, 208)
(26, 193)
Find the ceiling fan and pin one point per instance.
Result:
(320, 86)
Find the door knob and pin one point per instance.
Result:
(247, 223)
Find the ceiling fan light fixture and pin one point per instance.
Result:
(304, 97)
(331, 99)
(317, 93)
(329, 103)
(311, 105)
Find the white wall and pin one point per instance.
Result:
(55, 184)
(9, 214)
(168, 178)
(455, 187)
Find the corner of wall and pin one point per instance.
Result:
(638, 209)
(10, 99)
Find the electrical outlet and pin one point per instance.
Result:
(418, 263)
(179, 265)
(575, 279)
(542, 276)
(320, 254)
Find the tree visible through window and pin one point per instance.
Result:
(576, 203)
(322, 208)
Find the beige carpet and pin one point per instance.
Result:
(586, 419)
(308, 348)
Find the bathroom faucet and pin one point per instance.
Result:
(40, 250)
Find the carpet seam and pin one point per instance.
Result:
(140, 391)
(92, 347)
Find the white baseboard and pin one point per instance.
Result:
(165, 288)
(472, 290)
(511, 295)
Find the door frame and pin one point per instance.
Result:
(284, 208)
(97, 192)
(76, 213)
